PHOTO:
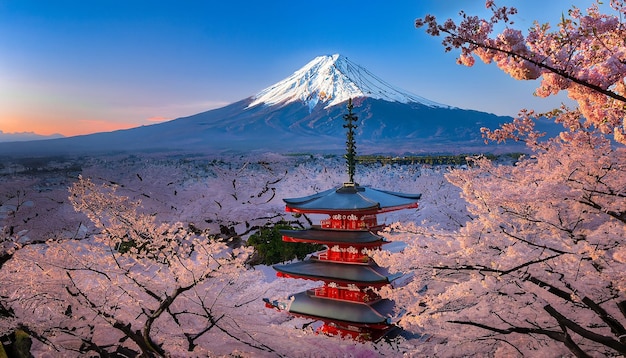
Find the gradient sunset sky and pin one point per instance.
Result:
(76, 67)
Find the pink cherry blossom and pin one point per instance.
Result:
(584, 56)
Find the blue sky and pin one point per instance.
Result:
(77, 67)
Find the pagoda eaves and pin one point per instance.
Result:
(363, 315)
(360, 275)
(317, 235)
(352, 198)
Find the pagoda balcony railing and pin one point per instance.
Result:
(350, 222)
(344, 254)
(345, 293)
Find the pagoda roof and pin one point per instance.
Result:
(368, 275)
(327, 236)
(358, 314)
(352, 197)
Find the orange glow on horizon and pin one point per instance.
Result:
(157, 119)
(66, 128)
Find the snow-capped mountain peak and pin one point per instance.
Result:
(333, 79)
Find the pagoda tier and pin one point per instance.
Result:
(370, 315)
(317, 235)
(369, 275)
(359, 321)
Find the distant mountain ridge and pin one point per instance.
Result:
(25, 136)
(303, 113)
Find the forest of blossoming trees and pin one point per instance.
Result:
(145, 255)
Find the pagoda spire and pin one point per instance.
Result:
(350, 155)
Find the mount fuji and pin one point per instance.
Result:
(302, 113)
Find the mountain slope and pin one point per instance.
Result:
(302, 113)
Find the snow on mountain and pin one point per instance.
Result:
(331, 80)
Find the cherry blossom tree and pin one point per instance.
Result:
(585, 56)
(153, 285)
(541, 263)
(542, 260)
(29, 210)
(145, 286)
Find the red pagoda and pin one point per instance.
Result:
(346, 303)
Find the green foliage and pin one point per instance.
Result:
(270, 249)
(19, 346)
(22, 344)
(125, 246)
(442, 159)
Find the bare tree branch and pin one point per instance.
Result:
(607, 341)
